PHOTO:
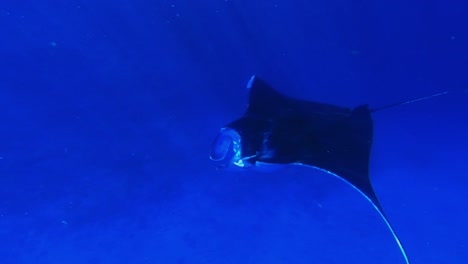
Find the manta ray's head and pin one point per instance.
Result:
(226, 148)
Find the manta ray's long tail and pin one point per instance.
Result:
(416, 100)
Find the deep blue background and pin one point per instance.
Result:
(108, 109)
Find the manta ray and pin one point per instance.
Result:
(280, 130)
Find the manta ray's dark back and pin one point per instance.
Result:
(277, 129)
(332, 138)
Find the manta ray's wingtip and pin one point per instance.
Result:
(251, 81)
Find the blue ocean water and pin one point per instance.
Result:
(108, 109)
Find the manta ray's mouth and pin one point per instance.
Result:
(226, 147)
